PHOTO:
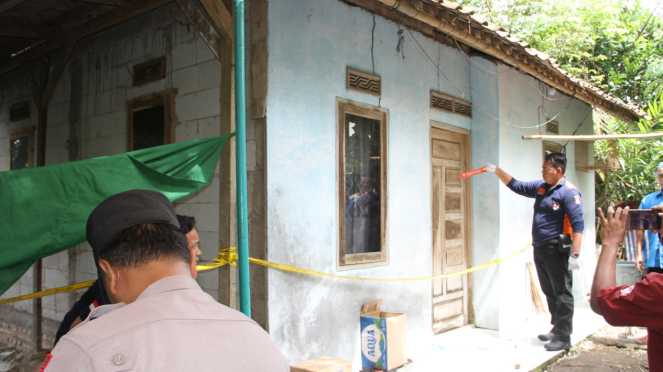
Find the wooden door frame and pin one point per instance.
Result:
(468, 211)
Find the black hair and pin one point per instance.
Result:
(557, 159)
(186, 223)
(140, 244)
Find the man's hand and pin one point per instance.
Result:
(639, 262)
(612, 227)
(612, 234)
(489, 168)
(573, 264)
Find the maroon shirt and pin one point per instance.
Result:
(640, 305)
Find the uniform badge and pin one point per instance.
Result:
(577, 199)
(555, 206)
(542, 190)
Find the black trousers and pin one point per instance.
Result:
(556, 282)
(650, 270)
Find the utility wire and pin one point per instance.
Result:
(479, 65)
(463, 94)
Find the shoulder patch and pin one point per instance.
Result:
(542, 190)
(570, 185)
(577, 199)
(48, 359)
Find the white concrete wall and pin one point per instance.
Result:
(107, 60)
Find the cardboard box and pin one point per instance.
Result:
(323, 364)
(382, 337)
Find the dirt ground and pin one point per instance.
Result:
(610, 349)
(12, 360)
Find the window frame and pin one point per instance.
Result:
(165, 98)
(361, 260)
(18, 133)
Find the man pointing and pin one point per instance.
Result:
(557, 210)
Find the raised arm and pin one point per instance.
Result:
(503, 176)
(612, 234)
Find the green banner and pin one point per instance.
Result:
(44, 210)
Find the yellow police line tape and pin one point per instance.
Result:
(228, 256)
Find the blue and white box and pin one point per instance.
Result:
(382, 337)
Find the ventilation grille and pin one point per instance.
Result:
(19, 111)
(549, 147)
(151, 70)
(552, 127)
(363, 82)
(452, 105)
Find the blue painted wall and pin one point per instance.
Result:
(310, 45)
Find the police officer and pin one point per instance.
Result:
(160, 320)
(557, 210)
(95, 296)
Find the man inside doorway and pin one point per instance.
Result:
(557, 210)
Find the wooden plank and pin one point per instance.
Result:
(451, 177)
(259, 69)
(9, 4)
(57, 73)
(115, 3)
(448, 309)
(453, 229)
(88, 28)
(202, 22)
(29, 31)
(452, 202)
(448, 324)
(446, 149)
(593, 137)
(221, 17)
(454, 256)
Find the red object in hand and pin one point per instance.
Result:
(472, 173)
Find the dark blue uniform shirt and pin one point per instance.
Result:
(552, 206)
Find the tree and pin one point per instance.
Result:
(597, 40)
(635, 159)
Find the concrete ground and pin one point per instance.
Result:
(475, 349)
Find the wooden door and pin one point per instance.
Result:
(449, 150)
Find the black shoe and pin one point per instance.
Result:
(547, 337)
(558, 344)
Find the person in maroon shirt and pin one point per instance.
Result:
(638, 305)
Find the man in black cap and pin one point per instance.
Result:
(95, 296)
(160, 320)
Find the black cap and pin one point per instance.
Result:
(126, 209)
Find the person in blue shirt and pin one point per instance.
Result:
(649, 260)
(557, 210)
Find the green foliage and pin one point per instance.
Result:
(593, 39)
(637, 159)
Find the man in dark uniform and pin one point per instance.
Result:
(557, 210)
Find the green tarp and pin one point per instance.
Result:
(44, 210)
